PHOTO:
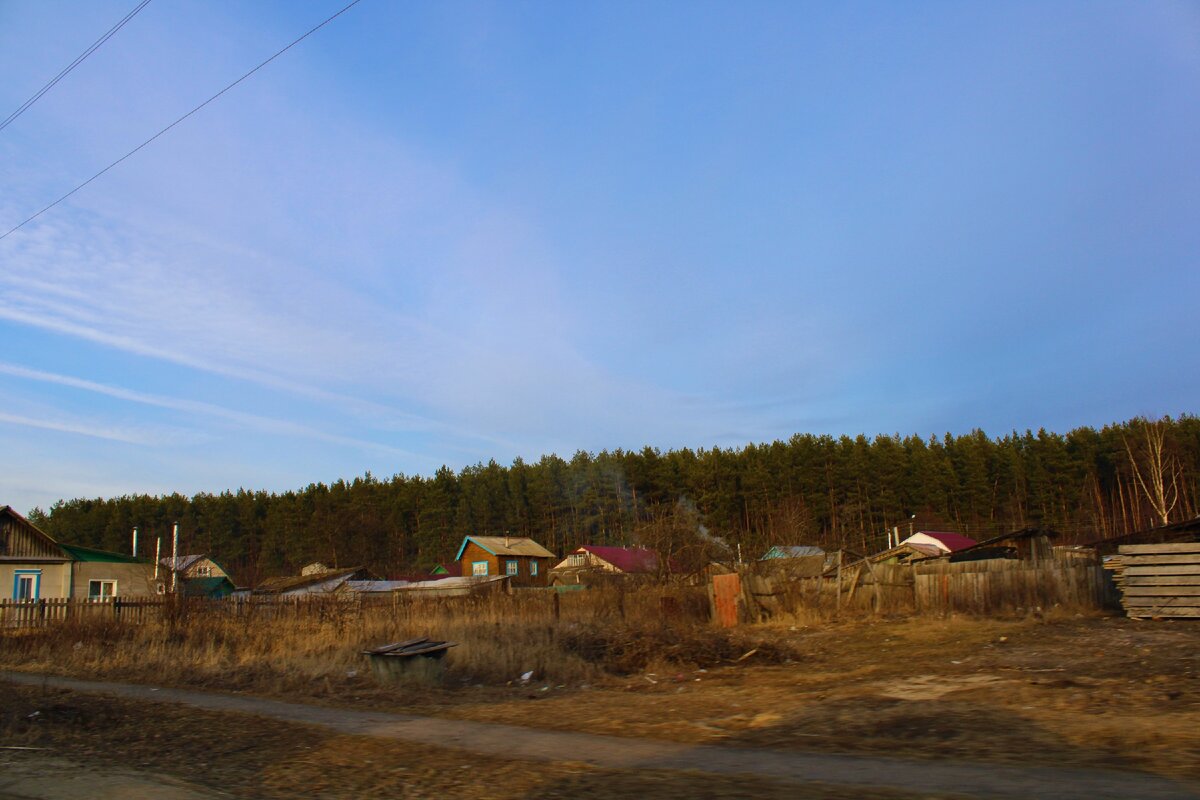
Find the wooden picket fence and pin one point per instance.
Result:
(46, 612)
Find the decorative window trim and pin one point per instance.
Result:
(35, 575)
(479, 568)
(512, 567)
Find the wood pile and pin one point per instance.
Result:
(1158, 580)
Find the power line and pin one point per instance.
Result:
(79, 60)
(294, 42)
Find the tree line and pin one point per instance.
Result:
(833, 491)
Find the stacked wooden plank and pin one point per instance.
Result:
(1158, 580)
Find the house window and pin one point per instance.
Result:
(577, 559)
(27, 584)
(510, 567)
(533, 568)
(203, 572)
(479, 568)
(102, 589)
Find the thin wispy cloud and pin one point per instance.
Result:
(535, 249)
(93, 430)
(252, 421)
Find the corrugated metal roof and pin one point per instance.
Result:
(184, 562)
(626, 559)
(507, 546)
(792, 551)
(80, 553)
(219, 586)
(290, 583)
(950, 541)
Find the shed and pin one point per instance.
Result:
(313, 583)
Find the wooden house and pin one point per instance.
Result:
(521, 559)
(36, 567)
(598, 561)
(199, 576)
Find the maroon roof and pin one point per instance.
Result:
(954, 541)
(626, 559)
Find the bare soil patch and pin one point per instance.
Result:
(139, 746)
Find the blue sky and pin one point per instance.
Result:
(438, 233)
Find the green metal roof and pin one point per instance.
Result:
(218, 586)
(80, 553)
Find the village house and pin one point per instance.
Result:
(599, 560)
(36, 567)
(199, 576)
(522, 560)
(935, 543)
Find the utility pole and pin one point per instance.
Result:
(175, 557)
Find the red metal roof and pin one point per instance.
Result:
(626, 559)
(954, 541)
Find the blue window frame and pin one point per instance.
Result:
(511, 566)
(479, 568)
(27, 584)
(533, 568)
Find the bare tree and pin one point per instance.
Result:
(1156, 471)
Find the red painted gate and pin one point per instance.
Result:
(727, 590)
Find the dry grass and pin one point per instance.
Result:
(315, 648)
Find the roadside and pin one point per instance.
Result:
(418, 755)
(132, 749)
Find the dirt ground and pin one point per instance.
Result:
(1094, 691)
(63, 740)
(1086, 691)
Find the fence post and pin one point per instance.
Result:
(839, 581)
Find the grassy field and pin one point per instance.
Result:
(1084, 690)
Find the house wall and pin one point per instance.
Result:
(19, 539)
(214, 570)
(55, 578)
(133, 580)
(497, 566)
(473, 553)
(589, 561)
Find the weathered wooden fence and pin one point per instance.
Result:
(1004, 585)
(633, 603)
(993, 586)
(40, 613)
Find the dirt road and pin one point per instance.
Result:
(611, 752)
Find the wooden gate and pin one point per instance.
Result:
(727, 591)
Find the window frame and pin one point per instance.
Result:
(512, 567)
(533, 568)
(101, 595)
(34, 577)
(476, 571)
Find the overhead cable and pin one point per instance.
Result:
(79, 60)
(294, 42)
